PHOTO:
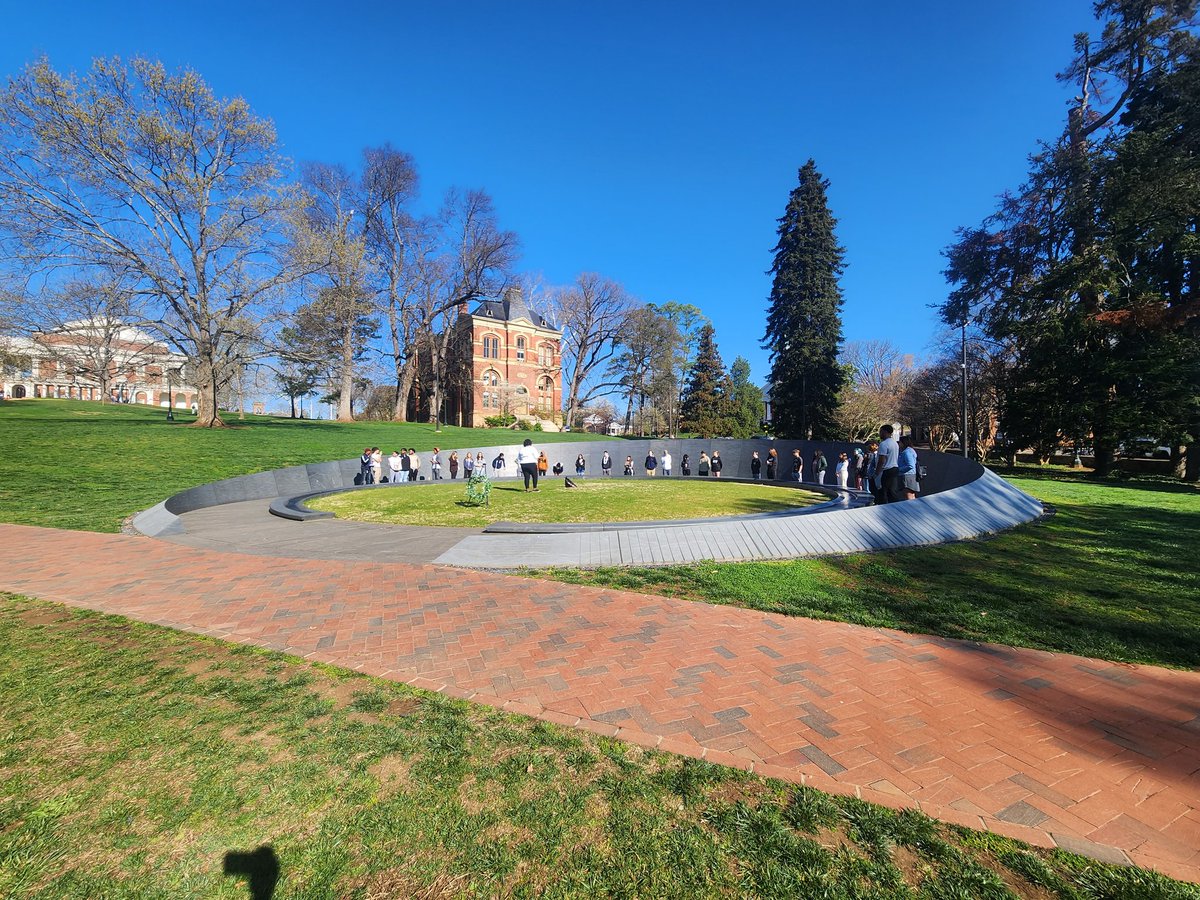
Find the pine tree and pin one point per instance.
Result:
(804, 328)
(706, 397)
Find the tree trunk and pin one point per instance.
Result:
(292, 397)
(346, 398)
(404, 388)
(207, 413)
(1191, 467)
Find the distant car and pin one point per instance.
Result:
(1145, 448)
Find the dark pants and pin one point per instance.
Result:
(893, 487)
(530, 471)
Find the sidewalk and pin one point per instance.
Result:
(1095, 757)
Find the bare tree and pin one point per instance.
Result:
(91, 329)
(879, 377)
(150, 174)
(592, 313)
(398, 245)
(476, 258)
(342, 310)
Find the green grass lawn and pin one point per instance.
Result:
(134, 758)
(71, 464)
(612, 499)
(1113, 574)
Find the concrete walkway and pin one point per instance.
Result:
(1057, 750)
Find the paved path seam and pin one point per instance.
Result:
(1057, 750)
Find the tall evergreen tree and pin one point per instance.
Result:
(706, 398)
(804, 327)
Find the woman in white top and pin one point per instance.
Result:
(843, 470)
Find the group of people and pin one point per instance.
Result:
(888, 468)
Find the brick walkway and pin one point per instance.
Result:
(1053, 749)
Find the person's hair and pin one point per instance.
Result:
(906, 441)
(366, 449)
(886, 429)
(528, 442)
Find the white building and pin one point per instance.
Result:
(66, 364)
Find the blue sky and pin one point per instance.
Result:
(654, 143)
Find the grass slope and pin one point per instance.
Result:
(71, 464)
(593, 500)
(1113, 574)
(133, 759)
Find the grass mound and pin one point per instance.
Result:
(71, 464)
(593, 500)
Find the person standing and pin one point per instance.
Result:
(405, 464)
(481, 466)
(580, 465)
(543, 463)
(414, 465)
(365, 473)
(606, 464)
(888, 466)
(716, 464)
(859, 462)
(394, 467)
(755, 466)
(666, 462)
(453, 464)
(499, 462)
(527, 462)
(772, 464)
(377, 465)
(797, 465)
(435, 464)
(908, 469)
(468, 466)
(704, 465)
(820, 464)
(651, 463)
(843, 470)
(686, 465)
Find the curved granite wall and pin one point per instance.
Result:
(945, 472)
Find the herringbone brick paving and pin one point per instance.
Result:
(1093, 756)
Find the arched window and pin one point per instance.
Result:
(545, 355)
(491, 377)
(521, 348)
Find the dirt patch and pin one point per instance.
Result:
(750, 792)
(1016, 883)
(835, 839)
(397, 884)
(391, 772)
(912, 867)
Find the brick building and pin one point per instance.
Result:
(63, 365)
(506, 361)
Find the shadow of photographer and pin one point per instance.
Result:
(259, 867)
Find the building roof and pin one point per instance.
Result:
(511, 307)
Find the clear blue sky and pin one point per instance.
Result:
(655, 143)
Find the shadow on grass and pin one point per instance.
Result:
(259, 867)
(1088, 477)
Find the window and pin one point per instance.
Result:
(520, 348)
(545, 395)
(491, 347)
(545, 355)
(487, 400)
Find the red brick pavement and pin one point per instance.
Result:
(1096, 757)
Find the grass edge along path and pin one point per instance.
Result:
(133, 757)
(1112, 575)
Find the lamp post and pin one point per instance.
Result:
(170, 402)
(965, 452)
